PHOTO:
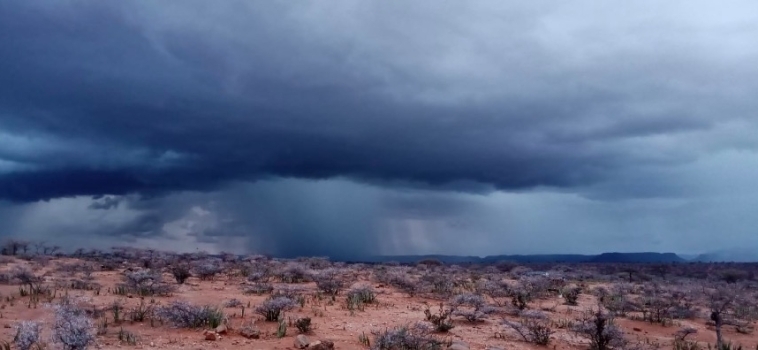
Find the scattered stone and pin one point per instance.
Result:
(301, 341)
(250, 333)
(213, 336)
(221, 329)
(7, 326)
(637, 329)
(321, 345)
(458, 345)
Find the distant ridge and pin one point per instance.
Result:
(643, 257)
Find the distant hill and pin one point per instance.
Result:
(644, 257)
(638, 257)
(729, 255)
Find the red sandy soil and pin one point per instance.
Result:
(331, 320)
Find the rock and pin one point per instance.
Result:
(7, 326)
(221, 329)
(250, 333)
(213, 336)
(321, 345)
(458, 345)
(301, 341)
(637, 329)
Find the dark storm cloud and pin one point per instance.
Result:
(243, 91)
(350, 128)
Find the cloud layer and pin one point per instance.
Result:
(312, 127)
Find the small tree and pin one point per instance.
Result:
(598, 327)
(329, 281)
(146, 283)
(533, 327)
(207, 269)
(182, 314)
(441, 320)
(72, 328)
(181, 273)
(273, 307)
(472, 307)
(27, 334)
(727, 304)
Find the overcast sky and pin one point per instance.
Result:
(350, 128)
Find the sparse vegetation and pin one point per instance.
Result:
(599, 329)
(182, 314)
(472, 307)
(413, 337)
(72, 328)
(525, 299)
(533, 327)
(27, 335)
(272, 308)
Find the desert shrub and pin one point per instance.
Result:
(398, 277)
(364, 293)
(181, 273)
(681, 344)
(117, 308)
(182, 314)
(519, 270)
(258, 288)
(682, 333)
(272, 308)
(359, 296)
(293, 272)
(303, 325)
(533, 327)
(314, 262)
(536, 286)
(329, 281)
(505, 266)
(616, 300)
(661, 304)
(733, 275)
(146, 283)
(472, 307)
(406, 284)
(520, 298)
(71, 327)
(127, 337)
(259, 273)
(207, 269)
(140, 312)
(498, 291)
(25, 276)
(441, 320)
(414, 337)
(233, 303)
(440, 285)
(430, 262)
(13, 247)
(571, 295)
(599, 328)
(27, 335)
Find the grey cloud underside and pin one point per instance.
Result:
(347, 128)
(153, 98)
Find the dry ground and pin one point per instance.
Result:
(331, 320)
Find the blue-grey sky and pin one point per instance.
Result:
(349, 128)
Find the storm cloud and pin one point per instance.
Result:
(351, 128)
